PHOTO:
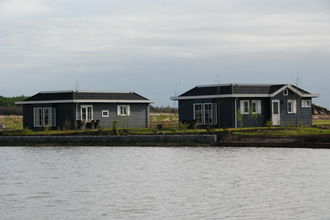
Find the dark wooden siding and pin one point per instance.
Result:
(64, 112)
(227, 113)
(254, 120)
(303, 117)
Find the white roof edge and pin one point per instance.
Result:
(84, 101)
(239, 84)
(84, 91)
(174, 98)
(220, 96)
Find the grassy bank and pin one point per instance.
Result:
(12, 121)
(170, 125)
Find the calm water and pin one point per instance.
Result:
(164, 183)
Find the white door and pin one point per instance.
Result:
(276, 117)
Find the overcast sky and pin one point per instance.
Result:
(159, 48)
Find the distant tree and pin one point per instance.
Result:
(162, 109)
(10, 101)
(8, 107)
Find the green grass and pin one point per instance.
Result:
(321, 122)
(171, 126)
(12, 121)
(285, 131)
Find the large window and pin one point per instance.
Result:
(292, 106)
(208, 113)
(198, 113)
(306, 103)
(123, 110)
(44, 117)
(86, 112)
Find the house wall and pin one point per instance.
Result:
(68, 114)
(225, 111)
(253, 120)
(64, 112)
(303, 117)
(138, 118)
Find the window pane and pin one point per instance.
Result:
(198, 114)
(254, 107)
(289, 107)
(208, 113)
(89, 113)
(83, 114)
(246, 107)
(275, 108)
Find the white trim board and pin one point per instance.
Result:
(84, 101)
(247, 95)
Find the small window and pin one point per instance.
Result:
(245, 107)
(105, 113)
(123, 110)
(285, 92)
(306, 103)
(292, 106)
(198, 113)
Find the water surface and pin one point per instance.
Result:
(164, 183)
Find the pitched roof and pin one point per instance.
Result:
(239, 90)
(85, 96)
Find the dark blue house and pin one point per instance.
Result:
(246, 105)
(85, 109)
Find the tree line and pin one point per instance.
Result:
(8, 107)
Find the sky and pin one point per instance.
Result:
(161, 48)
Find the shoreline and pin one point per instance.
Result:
(197, 140)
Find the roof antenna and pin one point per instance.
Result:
(175, 93)
(77, 86)
(297, 80)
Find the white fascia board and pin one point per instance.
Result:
(221, 96)
(295, 91)
(111, 101)
(84, 101)
(280, 90)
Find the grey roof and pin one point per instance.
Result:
(233, 89)
(86, 95)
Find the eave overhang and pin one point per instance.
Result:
(83, 101)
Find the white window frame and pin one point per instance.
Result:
(119, 110)
(305, 103)
(202, 114)
(285, 92)
(258, 106)
(105, 114)
(86, 107)
(54, 116)
(242, 107)
(293, 106)
(210, 111)
(50, 117)
(35, 116)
